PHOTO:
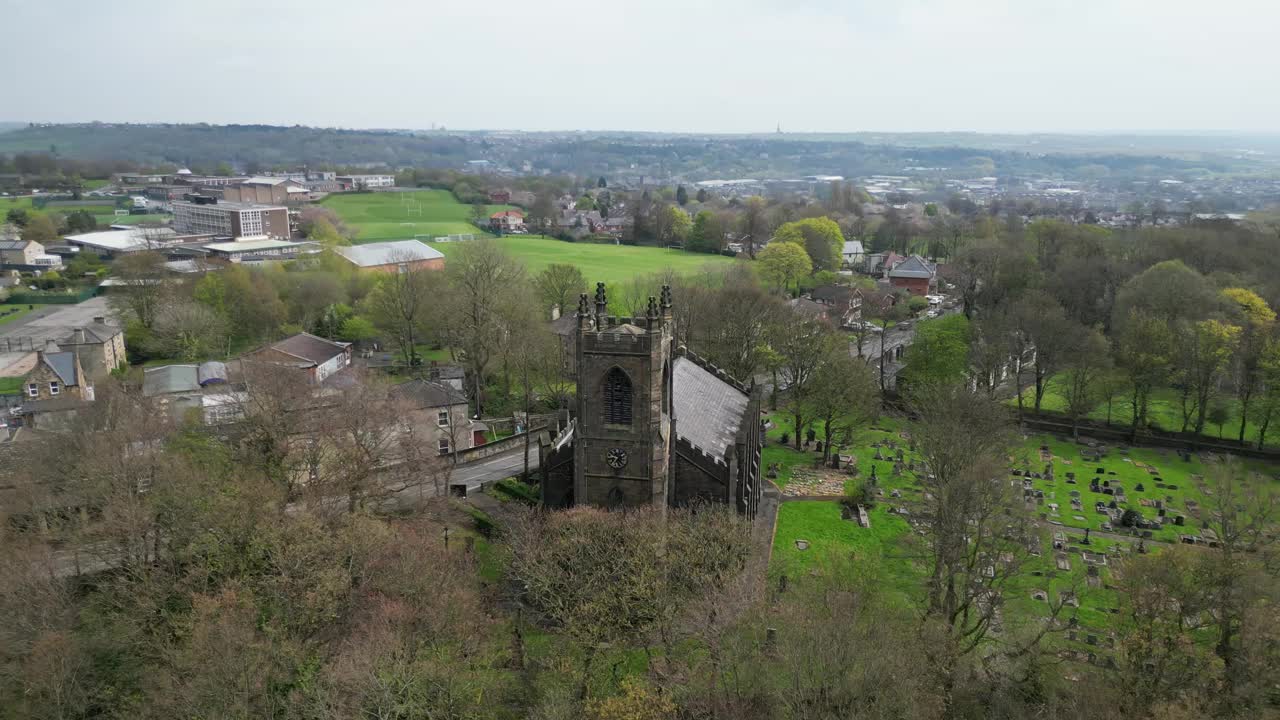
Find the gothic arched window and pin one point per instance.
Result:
(617, 398)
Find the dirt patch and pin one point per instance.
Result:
(807, 482)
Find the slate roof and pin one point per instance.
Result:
(13, 244)
(310, 347)
(913, 267)
(852, 247)
(388, 253)
(709, 411)
(427, 394)
(95, 333)
(63, 365)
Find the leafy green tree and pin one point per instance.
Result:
(820, 237)
(1145, 351)
(357, 329)
(1257, 321)
(41, 229)
(602, 183)
(707, 234)
(1204, 350)
(586, 203)
(18, 216)
(940, 353)
(81, 221)
(1082, 386)
(702, 195)
(559, 285)
(842, 398)
(682, 195)
(783, 263)
(679, 224)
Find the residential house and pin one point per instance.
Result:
(317, 357)
(55, 389)
(27, 255)
(395, 256)
(439, 412)
(452, 375)
(507, 221)
(178, 390)
(843, 304)
(915, 275)
(100, 347)
(852, 253)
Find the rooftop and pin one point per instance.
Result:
(228, 206)
(427, 394)
(387, 253)
(708, 410)
(122, 240)
(310, 347)
(239, 246)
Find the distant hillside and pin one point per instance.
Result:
(643, 155)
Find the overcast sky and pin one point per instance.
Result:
(673, 65)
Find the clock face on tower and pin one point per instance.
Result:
(617, 458)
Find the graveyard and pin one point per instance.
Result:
(1096, 506)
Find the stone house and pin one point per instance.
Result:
(100, 347)
(439, 415)
(55, 389)
(317, 357)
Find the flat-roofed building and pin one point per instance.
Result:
(231, 219)
(112, 243)
(365, 182)
(260, 249)
(395, 256)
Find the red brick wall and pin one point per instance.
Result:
(915, 286)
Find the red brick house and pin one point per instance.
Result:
(915, 275)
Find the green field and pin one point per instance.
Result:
(599, 263)
(386, 216)
(404, 215)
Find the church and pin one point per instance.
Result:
(653, 424)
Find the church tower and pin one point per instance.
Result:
(622, 443)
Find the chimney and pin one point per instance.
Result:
(77, 337)
(100, 320)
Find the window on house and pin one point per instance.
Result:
(402, 268)
(442, 418)
(444, 445)
(33, 390)
(54, 388)
(617, 398)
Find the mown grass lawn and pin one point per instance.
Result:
(599, 263)
(404, 215)
(10, 313)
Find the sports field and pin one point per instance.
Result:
(598, 263)
(396, 216)
(403, 215)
